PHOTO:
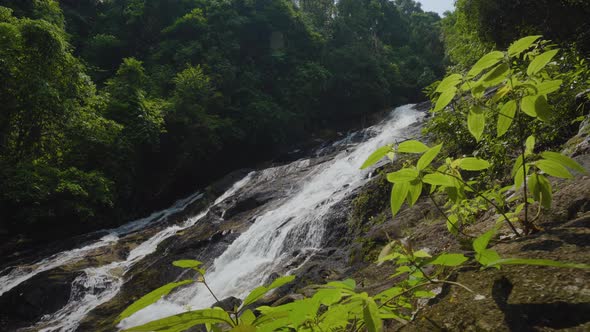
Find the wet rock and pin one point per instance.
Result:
(228, 304)
(28, 302)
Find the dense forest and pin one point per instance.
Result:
(113, 108)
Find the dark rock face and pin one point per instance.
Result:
(28, 302)
(228, 304)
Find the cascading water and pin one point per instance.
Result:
(294, 225)
(295, 221)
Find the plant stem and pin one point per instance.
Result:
(447, 218)
(487, 200)
(524, 191)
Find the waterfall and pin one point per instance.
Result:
(294, 225)
(293, 222)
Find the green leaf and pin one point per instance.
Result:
(548, 87)
(449, 82)
(247, 317)
(422, 254)
(505, 118)
(259, 292)
(519, 176)
(538, 262)
(517, 165)
(485, 62)
(563, 160)
(428, 157)
(444, 99)
(438, 179)
(476, 122)
(473, 164)
(376, 156)
(542, 108)
(414, 192)
(487, 256)
(185, 321)
(244, 328)
(328, 296)
(399, 191)
(371, 316)
(496, 76)
(521, 45)
(412, 146)
(187, 264)
(482, 241)
(151, 298)
(545, 190)
(553, 168)
(540, 62)
(527, 105)
(529, 145)
(403, 175)
(449, 260)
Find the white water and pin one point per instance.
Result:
(296, 224)
(22, 273)
(100, 284)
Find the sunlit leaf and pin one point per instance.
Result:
(496, 75)
(412, 146)
(563, 160)
(373, 321)
(403, 175)
(548, 87)
(414, 192)
(438, 179)
(185, 321)
(521, 45)
(476, 122)
(473, 164)
(151, 298)
(449, 260)
(553, 168)
(482, 241)
(530, 145)
(376, 156)
(399, 191)
(428, 157)
(540, 62)
(485, 62)
(444, 99)
(449, 82)
(187, 264)
(505, 118)
(527, 105)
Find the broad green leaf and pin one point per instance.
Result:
(473, 164)
(534, 188)
(403, 175)
(519, 176)
(414, 192)
(453, 224)
(328, 296)
(505, 118)
(373, 321)
(478, 91)
(553, 168)
(540, 62)
(438, 179)
(376, 156)
(538, 262)
(521, 45)
(151, 298)
(412, 146)
(503, 91)
(482, 241)
(548, 87)
(449, 260)
(449, 82)
(517, 165)
(428, 157)
(259, 292)
(485, 62)
(185, 321)
(496, 75)
(546, 191)
(399, 191)
(348, 284)
(487, 256)
(385, 252)
(422, 254)
(244, 328)
(247, 317)
(476, 122)
(542, 108)
(281, 281)
(444, 99)
(527, 105)
(563, 160)
(187, 264)
(530, 145)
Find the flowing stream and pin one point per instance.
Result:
(295, 222)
